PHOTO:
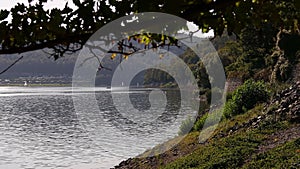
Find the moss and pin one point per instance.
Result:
(235, 150)
(208, 119)
(283, 156)
(186, 126)
(229, 152)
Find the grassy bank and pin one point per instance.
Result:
(265, 136)
(267, 144)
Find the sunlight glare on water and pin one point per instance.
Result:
(40, 129)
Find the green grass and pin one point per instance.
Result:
(235, 150)
(283, 156)
(232, 150)
(229, 152)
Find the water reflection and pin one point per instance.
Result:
(40, 129)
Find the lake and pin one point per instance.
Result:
(42, 129)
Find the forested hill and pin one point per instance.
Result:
(37, 63)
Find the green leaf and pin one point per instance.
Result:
(56, 57)
(67, 9)
(297, 4)
(43, 1)
(77, 2)
(3, 14)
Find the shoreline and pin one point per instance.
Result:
(36, 85)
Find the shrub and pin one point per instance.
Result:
(186, 126)
(200, 123)
(218, 95)
(231, 108)
(246, 97)
(209, 119)
(228, 96)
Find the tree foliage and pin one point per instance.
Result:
(66, 30)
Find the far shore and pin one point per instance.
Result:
(36, 85)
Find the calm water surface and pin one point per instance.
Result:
(40, 128)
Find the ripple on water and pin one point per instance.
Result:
(43, 131)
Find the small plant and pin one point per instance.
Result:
(200, 123)
(186, 126)
(208, 119)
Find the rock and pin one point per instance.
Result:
(145, 162)
(287, 102)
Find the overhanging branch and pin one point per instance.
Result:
(80, 39)
(5, 70)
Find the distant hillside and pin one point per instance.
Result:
(36, 67)
(37, 64)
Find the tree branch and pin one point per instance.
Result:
(11, 65)
(80, 39)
